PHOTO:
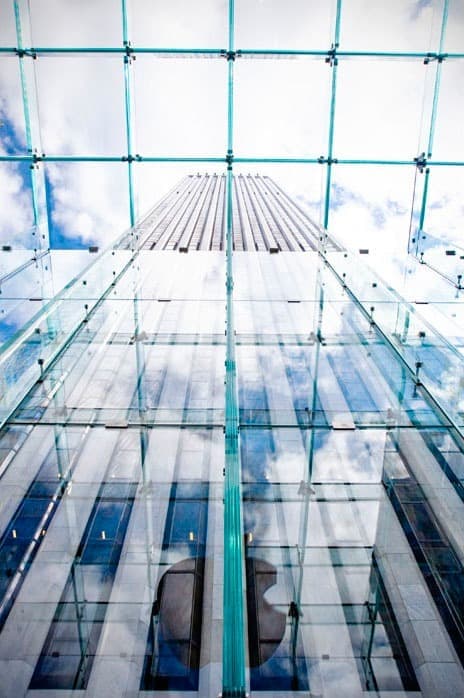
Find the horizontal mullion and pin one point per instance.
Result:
(76, 50)
(346, 161)
(104, 158)
(250, 52)
(422, 55)
(237, 160)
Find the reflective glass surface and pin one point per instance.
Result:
(112, 484)
(235, 466)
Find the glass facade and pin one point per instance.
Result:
(114, 486)
(231, 440)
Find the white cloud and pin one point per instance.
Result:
(15, 208)
(90, 200)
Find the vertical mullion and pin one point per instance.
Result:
(128, 114)
(433, 116)
(38, 189)
(334, 63)
(233, 678)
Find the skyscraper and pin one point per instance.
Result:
(134, 479)
(192, 217)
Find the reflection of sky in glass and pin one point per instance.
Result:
(382, 112)
(383, 109)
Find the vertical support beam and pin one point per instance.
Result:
(423, 205)
(40, 232)
(436, 89)
(233, 662)
(306, 488)
(433, 116)
(128, 101)
(142, 411)
(333, 62)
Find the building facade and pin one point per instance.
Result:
(138, 393)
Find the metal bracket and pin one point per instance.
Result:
(231, 55)
(229, 159)
(421, 162)
(21, 52)
(35, 160)
(419, 365)
(322, 160)
(130, 53)
(439, 57)
(331, 58)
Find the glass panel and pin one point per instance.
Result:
(110, 554)
(69, 650)
(261, 123)
(426, 352)
(371, 26)
(379, 108)
(447, 143)
(12, 131)
(317, 602)
(164, 178)
(7, 26)
(182, 26)
(453, 40)
(89, 201)
(303, 183)
(173, 651)
(441, 222)
(75, 25)
(27, 283)
(88, 85)
(377, 202)
(34, 513)
(271, 26)
(427, 536)
(16, 219)
(175, 114)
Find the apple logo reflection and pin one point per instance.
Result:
(179, 611)
(266, 625)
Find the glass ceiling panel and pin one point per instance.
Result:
(12, 131)
(60, 265)
(7, 25)
(373, 25)
(11, 259)
(174, 110)
(304, 183)
(270, 95)
(444, 210)
(76, 24)
(295, 24)
(371, 207)
(453, 40)
(103, 187)
(178, 24)
(379, 109)
(153, 180)
(16, 208)
(71, 89)
(448, 142)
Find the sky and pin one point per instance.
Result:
(281, 109)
